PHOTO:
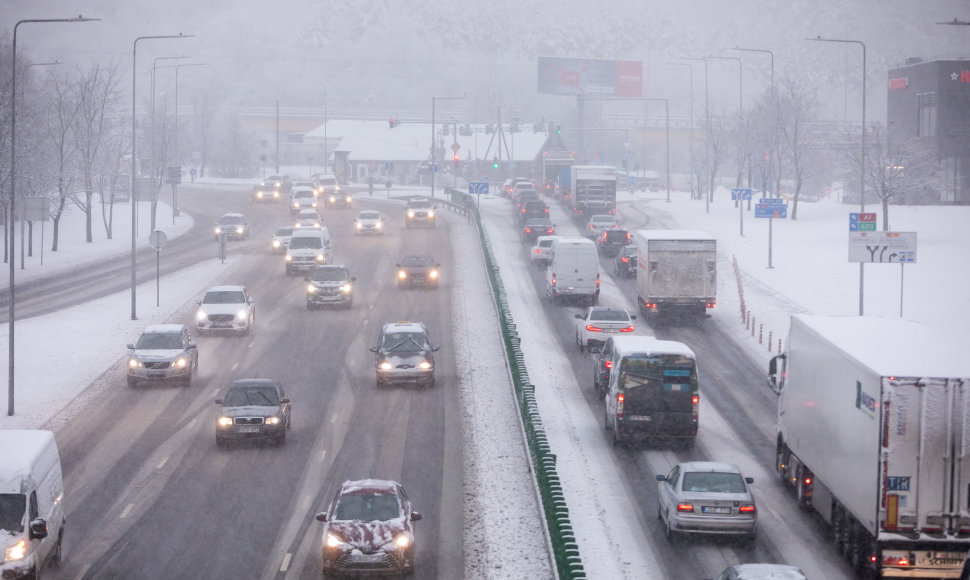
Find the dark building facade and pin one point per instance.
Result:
(929, 109)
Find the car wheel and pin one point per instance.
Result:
(430, 383)
(195, 367)
(670, 532)
(281, 438)
(580, 344)
(220, 443)
(187, 381)
(309, 305)
(289, 421)
(132, 382)
(55, 558)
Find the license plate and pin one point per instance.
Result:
(715, 510)
(366, 558)
(156, 374)
(249, 429)
(610, 331)
(639, 417)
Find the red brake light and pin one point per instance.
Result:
(528, 230)
(592, 328)
(624, 259)
(746, 509)
(548, 230)
(685, 507)
(695, 399)
(627, 329)
(619, 405)
(608, 364)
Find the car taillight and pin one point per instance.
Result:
(685, 507)
(694, 406)
(592, 328)
(608, 364)
(746, 509)
(624, 259)
(597, 282)
(619, 405)
(537, 251)
(627, 329)
(553, 279)
(896, 560)
(528, 230)
(548, 230)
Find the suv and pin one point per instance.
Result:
(532, 209)
(266, 192)
(308, 248)
(404, 353)
(336, 197)
(417, 271)
(541, 253)
(302, 198)
(163, 352)
(233, 226)
(226, 308)
(330, 285)
(419, 212)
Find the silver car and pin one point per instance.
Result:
(707, 497)
(404, 354)
(281, 239)
(229, 308)
(164, 352)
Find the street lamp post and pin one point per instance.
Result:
(691, 121)
(433, 148)
(862, 158)
(134, 160)
(177, 156)
(707, 123)
(13, 180)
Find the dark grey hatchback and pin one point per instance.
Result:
(253, 409)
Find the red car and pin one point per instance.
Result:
(369, 529)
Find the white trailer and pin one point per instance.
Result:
(676, 271)
(593, 191)
(874, 434)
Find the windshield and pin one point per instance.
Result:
(714, 482)
(301, 242)
(230, 219)
(330, 275)
(12, 508)
(369, 215)
(610, 315)
(300, 193)
(405, 341)
(284, 231)
(419, 204)
(417, 261)
(259, 396)
(368, 507)
(224, 297)
(161, 340)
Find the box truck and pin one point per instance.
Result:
(31, 503)
(593, 191)
(676, 271)
(873, 433)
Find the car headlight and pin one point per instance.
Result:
(17, 551)
(259, 194)
(430, 213)
(348, 199)
(333, 198)
(289, 258)
(242, 315)
(411, 213)
(359, 225)
(378, 225)
(402, 541)
(424, 365)
(276, 195)
(346, 288)
(272, 420)
(201, 316)
(311, 289)
(182, 362)
(433, 274)
(224, 421)
(314, 204)
(333, 541)
(134, 363)
(240, 230)
(320, 258)
(385, 366)
(402, 274)
(218, 230)
(296, 205)
(276, 243)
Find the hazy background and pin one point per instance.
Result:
(392, 56)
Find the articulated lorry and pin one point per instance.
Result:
(676, 272)
(874, 434)
(593, 191)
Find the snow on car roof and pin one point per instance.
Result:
(711, 466)
(162, 328)
(226, 288)
(404, 326)
(22, 449)
(365, 485)
(647, 344)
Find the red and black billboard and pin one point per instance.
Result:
(590, 77)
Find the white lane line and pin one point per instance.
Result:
(286, 562)
(333, 419)
(323, 456)
(235, 366)
(192, 423)
(127, 510)
(83, 572)
(215, 393)
(163, 462)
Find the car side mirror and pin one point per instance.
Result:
(191, 345)
(435, 348)
(415, 516)
(220, 401)
(749, 480)
(373, 349)
(580, 316)
(633, 317)
(38, 529)
(353, 278)
(250, 300)
(285, 400)
(661, 478)
(321, 517)
(131, 346)
(437, 265)
(397, 265)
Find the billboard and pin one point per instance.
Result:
(590, 77)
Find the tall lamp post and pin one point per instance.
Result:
(862, 158)
(134, 161)
(433, 148)
(13, 180)
(690, 172)
(24, 74)
(774, 116)
(177, 154)
(707, 123)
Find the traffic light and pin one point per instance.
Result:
(457, 158)
(558, 129)
(495, 162)
(623, 164)
(393, 122)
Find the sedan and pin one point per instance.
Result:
(229, 308)
(369, 222)
(599, 323)
(761, 572)
(535, 227)
(707, 497)
(253, 409)
(232, 226)
(266, 192)
(625, 263)
(307, 218)
(369, 529)
(598, 224)
(417, 271)
(541, 253)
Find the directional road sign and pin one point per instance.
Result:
(478, 187)
(771, 210)
(433, 168)
(862, 222)
(742, 194)
(771, 200)
(882, 247)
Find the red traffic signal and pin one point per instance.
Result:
(457, 158)
(393, 122)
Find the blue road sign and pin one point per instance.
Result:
(771, 210)
(389, 166)
(478, 187)
(433, 168)
(764, 200)
(742, 194)
(485, 178)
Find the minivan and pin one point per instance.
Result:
(31, 503)
(651, 389)
(573, 272)
(308, 248)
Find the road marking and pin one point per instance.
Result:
(286, 562)
(305, 504)
(192, 422)
(235, 366)
(83, 572)
(323, 456)
(162, 464)
(127, 510)
(215, 393)
(333, 419)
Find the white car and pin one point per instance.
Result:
(369, 222)
(541, 252)
(307, 218)
(228, 308)
(599, 323)
(598, 224)
(302, 198)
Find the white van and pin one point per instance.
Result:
(31, 503)
(308, 248)
(573, 272)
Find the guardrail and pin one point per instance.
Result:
(565, 551)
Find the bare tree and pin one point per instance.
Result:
(116, 151)
(6, 109)
(797, 109)
(62, 114)
(716, 136)
(760, 132)
(96, 94)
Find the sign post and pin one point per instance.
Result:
(771, 208)
(739, 195)
(869, 246)
(157, 239)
